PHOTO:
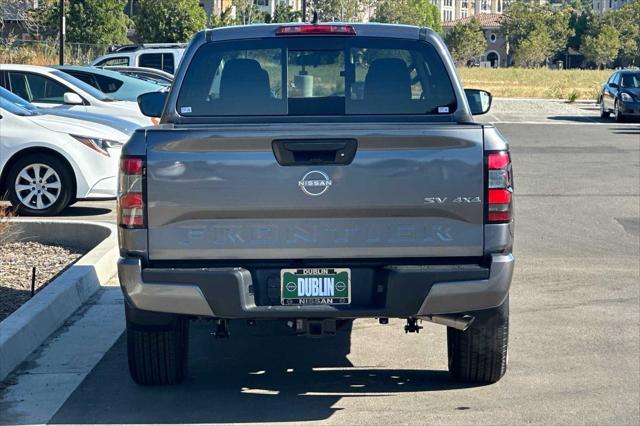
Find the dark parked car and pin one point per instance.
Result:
(149, 74)
(621, 95)
(112, 83)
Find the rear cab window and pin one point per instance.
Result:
(297, 76)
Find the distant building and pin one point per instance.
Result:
(12, 15)
(497, 53)
(451, 10)
(217, 7)
(269, 6)
(603, 6)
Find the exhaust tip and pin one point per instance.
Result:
(459, 322)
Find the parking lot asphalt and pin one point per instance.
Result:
(574, 354)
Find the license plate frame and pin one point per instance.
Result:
(308, 292)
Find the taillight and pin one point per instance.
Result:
(499, 187)
(310, 29)
(130, 193)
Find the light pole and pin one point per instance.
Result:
(62, 31)
(304, 10)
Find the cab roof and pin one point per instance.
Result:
(241, 32)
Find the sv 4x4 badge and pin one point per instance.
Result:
(456, 200)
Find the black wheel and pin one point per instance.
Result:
(603, 112)
(479, 354)
(158, 354)
(616, 113)
(39, 185)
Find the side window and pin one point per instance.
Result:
(87, 78)
(616, 78)
(115, 61)
(107, 84)
(168, 63)
(619, 78)
(3, 80)
(19, 86)
(151, 60)
(159, 61)
(37, 88)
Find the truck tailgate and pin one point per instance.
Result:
(412, 190)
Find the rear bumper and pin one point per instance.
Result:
(104, 188)
(391, 291)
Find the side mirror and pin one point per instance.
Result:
(614, 85)
(479, 101)
(151, 104)
(71, 98)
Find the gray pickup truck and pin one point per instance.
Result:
(315, 174)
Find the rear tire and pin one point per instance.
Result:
(157, 354)
(479, 354)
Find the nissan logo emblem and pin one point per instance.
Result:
(315, 183)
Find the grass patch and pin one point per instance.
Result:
(47, 54)
(536, 83)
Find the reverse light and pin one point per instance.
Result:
(131, 203)
(101, 146)
(310, 29)
(499, 187)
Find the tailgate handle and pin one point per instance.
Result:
(299, 152)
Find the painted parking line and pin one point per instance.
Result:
(51, 374)
(565, 123)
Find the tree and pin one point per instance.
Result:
(337, 10)
(285, 13)
(466, 41)
(538, 28)
(97, 21)
(579, 22)
(627, 21)
(422, 13)
(247, 12)
(87, 21)
(168, 21)
(224, 20)
(603, 47)
(533, 50)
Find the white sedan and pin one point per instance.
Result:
(48, 162)
(50, 88)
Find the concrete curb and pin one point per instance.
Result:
(557, 100)
(25, 329)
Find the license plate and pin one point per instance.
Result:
(316, 286)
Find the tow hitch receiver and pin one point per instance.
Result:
(412, 326)
(315, 327)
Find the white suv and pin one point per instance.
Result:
(162, 56)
